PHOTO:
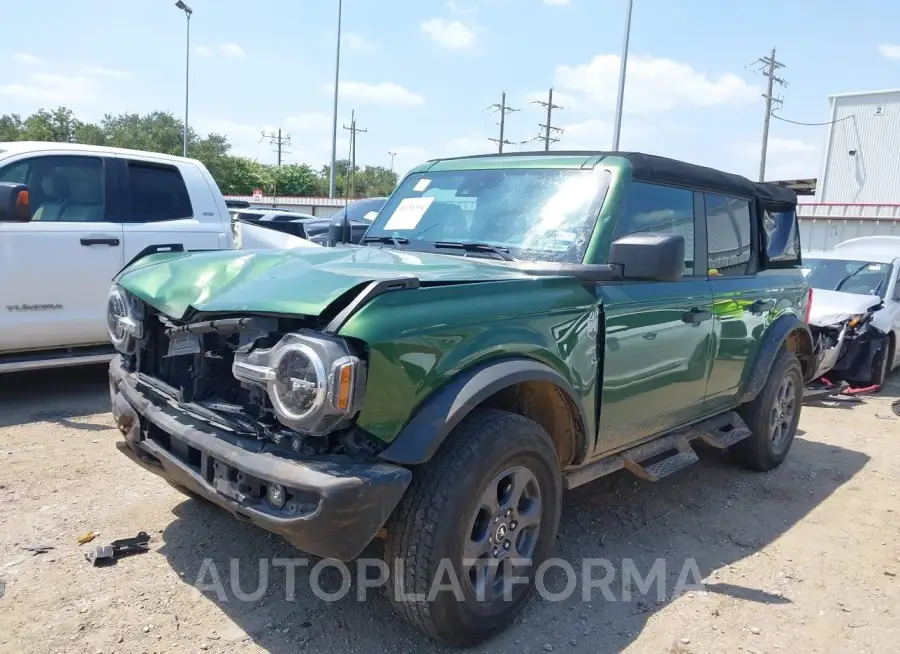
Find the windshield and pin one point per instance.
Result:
(534, 214)
(848, 275)
(364, 210)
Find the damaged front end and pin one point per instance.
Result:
(848, 347)
(257, 415)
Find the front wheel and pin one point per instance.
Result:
(773, 416)
(476, 524)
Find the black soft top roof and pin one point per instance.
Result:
(662, 169)
(650, 167)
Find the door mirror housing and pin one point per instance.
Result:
(649, 257)
(15, 206)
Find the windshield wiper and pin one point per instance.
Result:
(474, 246)
(396, 241)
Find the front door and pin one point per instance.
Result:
(658, 335)
(57, 268)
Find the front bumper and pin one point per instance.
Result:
(335, 506)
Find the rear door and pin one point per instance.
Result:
(658, 334)
(56, 269)
(168, 204)
(745, 299)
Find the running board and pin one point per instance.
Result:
(644, 461)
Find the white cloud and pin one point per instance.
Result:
(54, 89)
(653, 84)
(26, 59)
(590, 134)
(557, 3)
(229, 50)
(889, 51)
(463, 145)
(353, 41)
(99, 71)
(460, 10)
(785, 158)
(451, 34)
(383, 93)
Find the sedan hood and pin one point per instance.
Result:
(301, 281)
(834, 307)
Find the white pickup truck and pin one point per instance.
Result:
(90, 211)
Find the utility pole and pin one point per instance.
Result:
(393, 154)
(770, 65)
(278, 141)
(548, 127)
(503, 109)
(354, 130)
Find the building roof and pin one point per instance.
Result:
(646, 167)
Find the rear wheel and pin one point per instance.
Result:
(773, 416)
(474, 527)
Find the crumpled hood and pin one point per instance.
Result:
(302, 281)
(834, 307)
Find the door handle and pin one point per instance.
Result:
(695, 315)
(650, 336)
(761, 306)
(112, 242)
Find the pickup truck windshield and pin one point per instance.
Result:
(848, 276)
(531, 214)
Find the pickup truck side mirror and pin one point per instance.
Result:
(14, 203)
(649, 257)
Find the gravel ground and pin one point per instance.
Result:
(804, 557)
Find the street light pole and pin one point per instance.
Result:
(617, 127)
(393, 154)
(337, 75)
(187, 69)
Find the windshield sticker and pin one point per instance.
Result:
(875, 266)
(370, 216)
(408, 213)
(421, 185)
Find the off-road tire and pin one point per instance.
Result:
(432, 523)
(758, 451)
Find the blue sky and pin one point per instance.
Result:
(421, 73)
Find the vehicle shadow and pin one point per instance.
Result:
(708, 517)
(55, 395)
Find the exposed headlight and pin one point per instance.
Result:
(859, 319)
(123, 320)
(313, 381)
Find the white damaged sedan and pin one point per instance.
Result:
(855, 312)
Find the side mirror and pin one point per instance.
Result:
(15, 206)
(649, 257)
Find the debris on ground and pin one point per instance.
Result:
(107, 554)
(37, 549)
(87, 538)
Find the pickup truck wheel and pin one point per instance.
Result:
(773, 416)
(474, 527)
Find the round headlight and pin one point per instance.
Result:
(117, 310)
(300, 383)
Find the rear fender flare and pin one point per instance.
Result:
(445, 408)
(773, 340)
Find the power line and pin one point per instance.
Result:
(354, 130)
(770, 65)
(278, 141)
(503, 109)
(548, 126)
(796, 122)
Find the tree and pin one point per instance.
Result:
(161, 131)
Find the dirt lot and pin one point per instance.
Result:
(804, 557)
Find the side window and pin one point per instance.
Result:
(728, 227)
(659, 209)
(782, 237)
(157, 193)
(61, 189)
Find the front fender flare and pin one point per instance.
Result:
(445, 408)
(773, 340)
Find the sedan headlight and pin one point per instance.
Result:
(314, 382)
(859, 319)
(123, 320)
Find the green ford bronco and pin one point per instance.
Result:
(511, 326)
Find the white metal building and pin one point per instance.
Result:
(858, 188)
(862, 149)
